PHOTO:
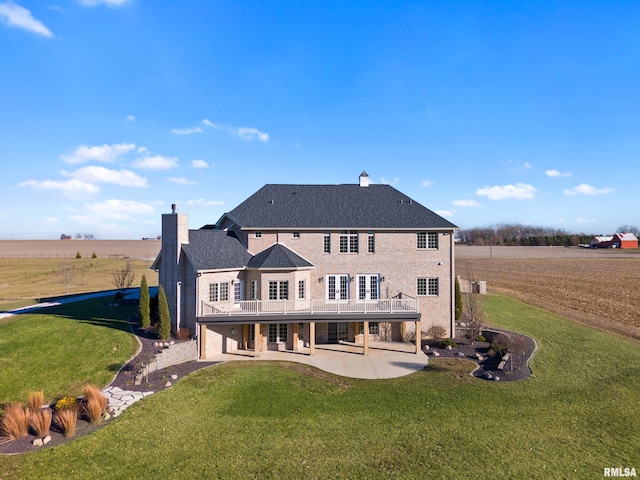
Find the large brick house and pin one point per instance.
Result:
(298, 265)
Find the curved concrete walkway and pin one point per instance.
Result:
(384, 360)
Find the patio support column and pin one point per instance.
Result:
(295, 337)
(258, 340)
(245, 337)
(418, 338)
(203, 341)
(365, 338)
(312, 338)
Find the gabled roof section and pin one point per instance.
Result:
(627, 237)
(215, 250)
(278, 256)
(347, 206)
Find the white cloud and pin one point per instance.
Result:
(109, 3)
(156, 162)
(73, 188)
(104, 153)
(584, 220)
(466, 203)
(205, 203)
(384, 181)
(519, 191)
(248, 133)
(96, 174)
(427, 183)
(199, 164)
(16, 16)
(182, 181)
(444, 213)
(585, 189)
(51, 220)
(130, 118)
(114, 208)
(556, 173)
(186, 131)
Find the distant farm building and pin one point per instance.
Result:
(619, 240)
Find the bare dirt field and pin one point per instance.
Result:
(596, 287)
(138, 249)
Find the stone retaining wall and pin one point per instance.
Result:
(177, 353)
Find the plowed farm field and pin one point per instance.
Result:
(601, 291)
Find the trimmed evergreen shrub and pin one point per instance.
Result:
(164, 320)
(458, 300)
(448, 342)
(144, 307)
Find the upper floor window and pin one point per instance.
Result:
(327, 242)
(371, 243)
(301, 289)
(428, 286)
(253, 294)
(219, 292)
(279, 290)
(427, 240)
(348, 241)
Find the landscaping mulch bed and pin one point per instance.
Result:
(125, 379)
(516, 368)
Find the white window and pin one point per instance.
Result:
(219, 292)
(254, 290)
(371, 243)
(277, 333)
(427, 240)
(348, 241)
(369, 287)
(278, 290)
(327, 242)
(237, 291)
(428, 286)
(337, 287)
(301, 289)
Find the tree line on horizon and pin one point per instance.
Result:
(529, 236)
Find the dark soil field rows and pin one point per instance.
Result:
(600, 291)
(139, 249)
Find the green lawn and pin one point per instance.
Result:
(579, 414)
(61, 349)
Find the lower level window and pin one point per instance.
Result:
(428, 286)
(277, 333)
(373, 328)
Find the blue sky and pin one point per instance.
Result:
(485, 112)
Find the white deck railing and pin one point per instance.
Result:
(308, 307)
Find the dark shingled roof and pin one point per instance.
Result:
(215, 249)
(278, 256)
(334, 207)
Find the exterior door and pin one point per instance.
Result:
(337, 287)
(368, 287)
(337, 331)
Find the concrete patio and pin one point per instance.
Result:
(384, 359)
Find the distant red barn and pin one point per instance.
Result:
(624, 240)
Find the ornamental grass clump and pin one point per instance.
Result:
(66, 415)
(41, 422)
(15, 423)
(95, 404)
(35, 400)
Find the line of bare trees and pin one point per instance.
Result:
(529, 235)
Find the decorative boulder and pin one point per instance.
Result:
(172, 342)
(488, 376)
(449, 347)
(460, 354)
(46, 439)
(426, 347)
(479, 357)
(496, 378)
(436, 354)
(174, 376)
(168, 384)
(38, 442)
